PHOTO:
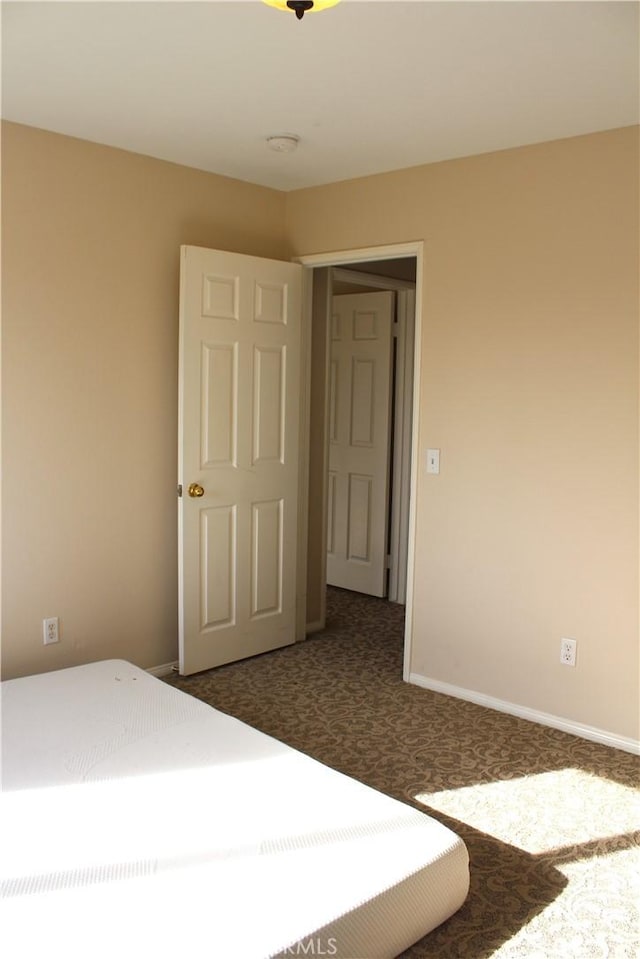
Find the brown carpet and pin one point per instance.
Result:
(551, 821)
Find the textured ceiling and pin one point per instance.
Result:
(367, 86)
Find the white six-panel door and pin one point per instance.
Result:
(239, 407)
(359, 410)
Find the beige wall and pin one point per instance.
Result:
(91, 240)
(530, 388)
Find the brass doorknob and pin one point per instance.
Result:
(195, 490)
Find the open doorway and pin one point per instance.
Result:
(396, 269)
(370, 411)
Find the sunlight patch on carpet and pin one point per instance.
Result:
(545, 811)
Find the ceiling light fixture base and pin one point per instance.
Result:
(300, 7)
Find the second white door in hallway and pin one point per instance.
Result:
(359, 418)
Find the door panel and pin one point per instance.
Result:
(362, 394)
(219, 404)
(240, 326)
(269, 379)
(218, 548)
(267, 569)
(359, 408)
(359, 518)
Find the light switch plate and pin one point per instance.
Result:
(433, 461)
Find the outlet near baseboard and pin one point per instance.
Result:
(51, 630)
(568, 650)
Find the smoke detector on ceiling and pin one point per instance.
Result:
(283, 143)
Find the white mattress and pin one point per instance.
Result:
(138, 821)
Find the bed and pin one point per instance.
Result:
(139, 821)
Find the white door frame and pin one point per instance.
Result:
(344, 258)
(401, 464)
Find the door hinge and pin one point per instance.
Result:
(388, 561)
(179, 489)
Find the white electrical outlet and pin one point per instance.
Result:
(51, 630)
(568, 648)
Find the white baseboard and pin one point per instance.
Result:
(165, 670)
(314, 627)
(533, 715)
